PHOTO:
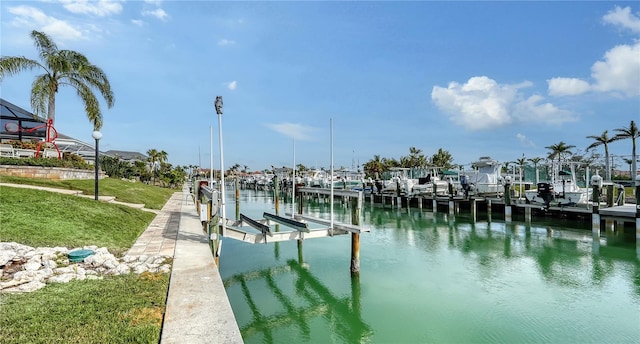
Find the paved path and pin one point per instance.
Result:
(160, 236)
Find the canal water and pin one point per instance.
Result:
(431, 278)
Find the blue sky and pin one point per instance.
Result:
(500, 79)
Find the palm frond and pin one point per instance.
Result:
(46, 47)
(10, 65)
(41, 89)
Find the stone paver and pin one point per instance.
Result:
(160, 236)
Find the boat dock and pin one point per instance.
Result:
(610, 218)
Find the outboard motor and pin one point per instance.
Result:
(545, 191)
(466, 187)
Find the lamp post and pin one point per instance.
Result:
(97, 136)
(218, 106)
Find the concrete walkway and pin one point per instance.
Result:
(198, 310)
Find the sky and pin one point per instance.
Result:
(305, 81)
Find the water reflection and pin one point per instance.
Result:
(426, 273)
(310, 299)
(567, 257)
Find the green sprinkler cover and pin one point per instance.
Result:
(79, 255)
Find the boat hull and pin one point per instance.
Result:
(581, 197)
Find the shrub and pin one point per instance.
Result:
(47, 162)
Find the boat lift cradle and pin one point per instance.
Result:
(300, 224)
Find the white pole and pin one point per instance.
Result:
(293, 183)
(211, 158)
(222, 191)
(331, 175)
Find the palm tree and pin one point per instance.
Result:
(374, 167)
(442, 158)
(632, 133)
(559, 150)
(61, 68)
(604, 140)
(156, 158)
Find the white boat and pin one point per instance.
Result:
(424, 186)
(398, 182)
(316, 179)
(561, 190)
(348, 179)
(484, 180)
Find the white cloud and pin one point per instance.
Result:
(567, 86)
(232, 85)
(158, 13)
(99, 8)
(532, 110)
(295, 131)
(524, 140)
(30, 17)
(479, 104)
(624, 18)
(137, 22)
(224, 42)
(482, 103)
(619, 71)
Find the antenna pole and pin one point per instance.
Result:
(331, 175)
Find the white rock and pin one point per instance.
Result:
(101, 250)
(33, 264)
(61, 250)
(64, 270)
(29, 287)
(42, 265)
(65, 278)
(28, 254)
(51, 264)
(39, 275)
(122, 269)
(140, 269)
(110, 263)
(158, 260)
(95, 260)
(128, 259)
(6, 256)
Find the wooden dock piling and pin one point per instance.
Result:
(355, 237)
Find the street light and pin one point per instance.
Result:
(218, 105)
(97, 136)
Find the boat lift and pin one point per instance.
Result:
(257, 231)
(299, 223)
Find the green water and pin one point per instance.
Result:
(429, 278)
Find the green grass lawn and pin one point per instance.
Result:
(42, 218)
(116, 309)
(152, 197)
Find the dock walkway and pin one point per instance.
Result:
(198, 310)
